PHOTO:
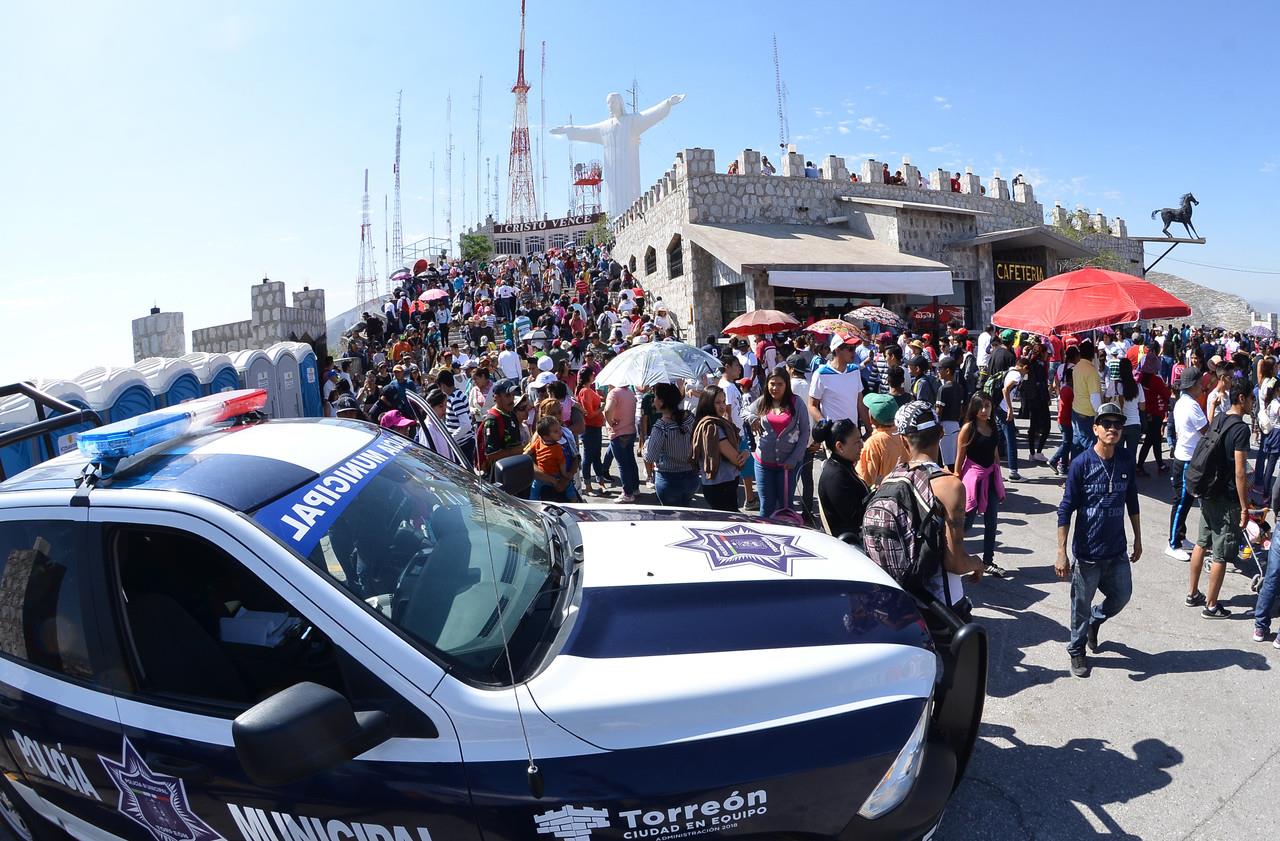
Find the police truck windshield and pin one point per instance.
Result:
(449, 560)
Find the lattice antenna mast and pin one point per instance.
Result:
(397, 231)
(634, 90)
(433, 195)
(542, 121)
(386, 244)
(448, 168)
(488, 197)
(479, 146)
(522, 202)
(497, 196)
(463, 214)
(367, 277)
(777, 85)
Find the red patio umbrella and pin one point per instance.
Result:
(758, 322)
(1087, 299)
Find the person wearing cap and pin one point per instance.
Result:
(398, 423)
(509, 361)
(501, 428)
(1101, 486)
(1224, 507)
(921, 433)
(884, 449)
(836, 387)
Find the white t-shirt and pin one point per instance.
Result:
(504, 291)
(509, 362)
(1014, 376)
(732, 399)
(984, 347)
(1131, 408)
(839, 391)
(748, 360)
(1188, 420)
(800, 388)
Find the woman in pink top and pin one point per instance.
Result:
(781, 426)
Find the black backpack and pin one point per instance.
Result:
(903, 526)
(1208, 461)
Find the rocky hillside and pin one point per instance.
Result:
(1208, 306)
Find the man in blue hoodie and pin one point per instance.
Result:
(1101, 485)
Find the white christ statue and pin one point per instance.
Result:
(620, 137)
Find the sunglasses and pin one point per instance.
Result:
(1111, 425)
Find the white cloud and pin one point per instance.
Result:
(843, 129)
(1269, 168)
(942, 103)
(820, 113)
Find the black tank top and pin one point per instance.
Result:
(982, 448)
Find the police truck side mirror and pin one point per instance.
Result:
(301, 731)
(514, 474)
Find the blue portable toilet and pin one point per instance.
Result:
(18, 410)
(288, 395)
(309, 379)
(172, 381)
(214, 370)
(117, 393)
(256, 371)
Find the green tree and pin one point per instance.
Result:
(599, 233)
(476, 247)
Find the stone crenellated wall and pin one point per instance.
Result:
(159, 334)
(270, 321)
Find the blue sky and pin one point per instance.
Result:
(176, 153)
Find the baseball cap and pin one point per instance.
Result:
(916, 416)
(544, 379)
(546, 363)
(881, 407)
(839, 341)
(1112, 410)
(947, 362)
(1189, 378)
(1007, 335)
(394, 420)
(918, 361)
(886, 336)
(507, 387)
(796, 361)
(509, 345)
(471, 363)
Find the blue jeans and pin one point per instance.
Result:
(623, 448)
(1062, 455)
(776, 488)
(1266, 605)
(988, 521)
(1009, 429)
(1264, 467)
(677, 488)
(1114, 577)
(592, 439)
(1082, 436)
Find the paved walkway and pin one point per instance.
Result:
(1167, 739)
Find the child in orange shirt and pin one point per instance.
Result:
(552, 466)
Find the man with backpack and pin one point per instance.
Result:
(1218, 475)
(1189, 422)
(913, 526)
(1101, 485)
(500, 430)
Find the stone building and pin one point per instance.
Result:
(525, 238)
(159, 334)
(270, 321)
(715, 245)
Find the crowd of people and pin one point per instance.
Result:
(506, 354)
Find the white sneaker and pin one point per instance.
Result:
(1177, 553)
(625, 499)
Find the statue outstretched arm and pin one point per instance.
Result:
(593, 133)
(652, 116)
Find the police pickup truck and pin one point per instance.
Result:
(218, 626)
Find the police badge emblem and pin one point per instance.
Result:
(740, 545)
(156, 802)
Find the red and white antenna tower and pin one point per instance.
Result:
(367, 279)
(396, 259)
(542, 122)
(522, 203)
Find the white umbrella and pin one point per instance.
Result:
(657, 362)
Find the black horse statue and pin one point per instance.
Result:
(1183, 214)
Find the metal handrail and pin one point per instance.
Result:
(68, 415)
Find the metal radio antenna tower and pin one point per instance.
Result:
(367, 278)
(488, 198)
(522, 203)
(497, 197)
(479, 146)
(396, 257)
(448, 169)
(386, 244)
(542, 121)
(463, 214)
(781, 93)
(433, 195)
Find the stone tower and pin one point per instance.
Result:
(159, 334)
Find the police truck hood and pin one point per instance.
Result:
(693, 624)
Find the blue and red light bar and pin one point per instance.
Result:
(129, 437)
